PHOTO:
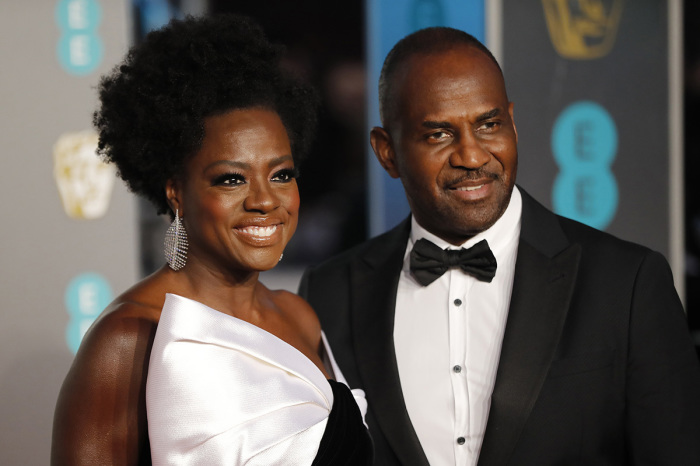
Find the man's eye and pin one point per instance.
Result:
(438, 136)
(286, 175)
(490, 126)
(229, 179)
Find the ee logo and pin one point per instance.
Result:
(80, 48)
(584, 144)
(86, 296)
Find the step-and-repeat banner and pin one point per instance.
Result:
(68, 225)
(590, 84)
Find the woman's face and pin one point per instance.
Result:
(238, 196)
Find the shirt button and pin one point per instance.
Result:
(458, 302)
(457, 369)
(460, 440)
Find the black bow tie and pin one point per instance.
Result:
(429, 262)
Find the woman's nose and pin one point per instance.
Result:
(261, 197)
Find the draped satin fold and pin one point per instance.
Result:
(223, 391)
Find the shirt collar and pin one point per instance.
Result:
(499, 235)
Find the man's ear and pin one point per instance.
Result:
(173, 192)
(384, 150)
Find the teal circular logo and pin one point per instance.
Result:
(584, 134)
(79, 53)
(588, 197)
(584, 143)
(80, 49)
(86, 296)
(78, 15)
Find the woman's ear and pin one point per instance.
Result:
(172, 193)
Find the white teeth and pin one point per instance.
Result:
(470, 188)
(263, 232)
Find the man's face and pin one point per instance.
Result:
(451, 139)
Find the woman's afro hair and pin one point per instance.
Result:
(153, 105)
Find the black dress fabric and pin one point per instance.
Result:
(345, 441)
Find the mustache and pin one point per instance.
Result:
(473, 175)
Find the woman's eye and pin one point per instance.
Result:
(229, 179)
(286, 175)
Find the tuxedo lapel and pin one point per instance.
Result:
(545, 275)
(374, 282)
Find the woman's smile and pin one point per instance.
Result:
(260, 235)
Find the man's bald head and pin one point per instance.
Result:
(425, 41)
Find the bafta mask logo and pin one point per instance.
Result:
(582, 29)
(84, 181)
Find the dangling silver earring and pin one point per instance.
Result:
(281, 256)
(175, 243)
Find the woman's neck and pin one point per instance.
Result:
(237, 293)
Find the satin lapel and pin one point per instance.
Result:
(545, 275)
(374, 279)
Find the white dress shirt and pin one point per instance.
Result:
(448, 339)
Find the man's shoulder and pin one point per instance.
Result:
(603, 242)
(543, 221)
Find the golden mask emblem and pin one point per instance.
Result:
(84, 181)
(582, 29)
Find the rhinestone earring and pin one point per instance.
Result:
(175, 244)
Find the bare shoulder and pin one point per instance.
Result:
(301, 320)
(100, 413)
(298, 309)
(124, 329)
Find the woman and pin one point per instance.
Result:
(200, 356)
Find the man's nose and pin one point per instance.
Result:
(468, 153)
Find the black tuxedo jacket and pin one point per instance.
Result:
(596, 366)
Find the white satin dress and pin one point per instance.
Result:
(223, 391)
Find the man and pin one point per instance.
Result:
(575, 352)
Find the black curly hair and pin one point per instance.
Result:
(154, 103)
